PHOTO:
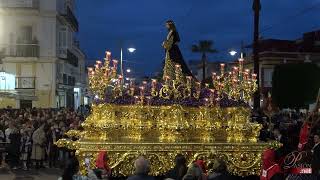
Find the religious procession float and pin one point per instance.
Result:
(162, 118)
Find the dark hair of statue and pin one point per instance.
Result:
(172, 26)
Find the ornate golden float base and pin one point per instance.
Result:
(243, 159)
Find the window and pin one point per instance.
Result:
(268, 77)
(63, 37)
(65, 79)
(25, 34)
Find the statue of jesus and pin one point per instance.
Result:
(173, 53)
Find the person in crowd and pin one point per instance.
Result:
(270, 169)
(38, 146)
(180, 168)
(265, 132)
(26, 145)
(304, 136)
(102, 164)
(71, 170)
(53, 136)
(220, 171)
(8, 131)
(2, 146)
(194, 172)
(142, 168)
(285, 148)
(315, 164)
(14, 148)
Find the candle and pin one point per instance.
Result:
(108, 56)
(154, 82)
(115, 62)
(90, 69)
(178, 66)
(166, 79)
(235, 68)
(136, 98)
(189, 78)
(99, 62)
(198, 85)
(131, 82)
(141, 90)
(254, 76)
(241, 61)
(222, 68)
(214, 75)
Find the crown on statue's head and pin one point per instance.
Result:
(234, 88)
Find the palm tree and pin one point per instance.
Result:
(204, 47)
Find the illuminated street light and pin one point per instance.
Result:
(131, 50)
(128, 70)
(233, 53)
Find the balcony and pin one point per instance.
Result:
(32, 4)
(71, 18)
(20, 50)
(71, 58)
(25, 82)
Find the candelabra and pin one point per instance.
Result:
(237, 84)
(102, 76)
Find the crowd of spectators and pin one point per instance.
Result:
(27, 136)
(27, 139)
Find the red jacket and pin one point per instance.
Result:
(269, 165)
(304, 136)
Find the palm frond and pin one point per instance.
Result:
(195, 48)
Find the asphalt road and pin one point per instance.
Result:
(42, 174)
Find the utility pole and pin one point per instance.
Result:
(256, 9)
(204, 59)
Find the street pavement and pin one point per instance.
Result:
(42, 174)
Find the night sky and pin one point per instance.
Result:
(104, 24)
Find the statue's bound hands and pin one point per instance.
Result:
(165, 45)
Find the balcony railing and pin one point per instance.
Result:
(25, 82)
(71, 18)
(33, 4)
(20, 50)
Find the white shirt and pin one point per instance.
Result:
(7, 132)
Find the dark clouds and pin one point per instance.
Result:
(140, 23)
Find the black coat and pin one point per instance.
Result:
(223, 176)
(141, 177)
(15, 142)
(176, 174)
(315, 163)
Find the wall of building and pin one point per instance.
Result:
(45, 25)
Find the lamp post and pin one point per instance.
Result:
(130, 50)
(256, 7)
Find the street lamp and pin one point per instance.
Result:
(131, 50)
(233, 52)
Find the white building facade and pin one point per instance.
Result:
(42, 64)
